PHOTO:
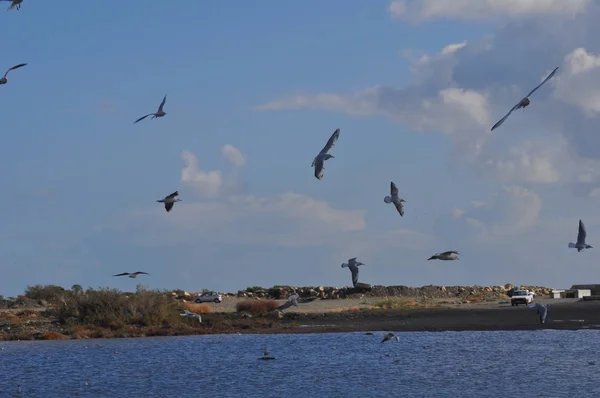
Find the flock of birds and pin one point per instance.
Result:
(318, 164)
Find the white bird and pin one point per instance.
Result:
(134, 275)
(449, 255)
(525, 101)
(267, 355)
(389, 336)
(15, 4)
(319, 160)
(159, 113)
(190, 314)
(353, 265)
(394, 198)
(4, 80)
(170, 200)
(581, 235)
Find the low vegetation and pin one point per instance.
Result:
(256, 307)
(391, 303)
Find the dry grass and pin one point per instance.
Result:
(474, 299)
(390, 303)
(54, 336)
(197, 308)
(256, 307)
(350, 309)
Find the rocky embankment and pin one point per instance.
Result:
(461, 293)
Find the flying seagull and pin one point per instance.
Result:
(4, 79)
(170, 200)
(353, 265)
(389, 336)
(15, 4)
(542, 311)
(294, 300)
(134, 275)
(190, 314)
(449, 255)
(159, 113)
(394, 198)
(580, 245)
(319, 161)
(525, 101)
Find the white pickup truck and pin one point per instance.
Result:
(521, 297)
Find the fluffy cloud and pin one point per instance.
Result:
(466, 87)
(482, 9)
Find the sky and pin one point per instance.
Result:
(254, 92)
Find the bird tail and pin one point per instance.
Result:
(387, 199)
(572, 245)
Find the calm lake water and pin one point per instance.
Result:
(449, 364)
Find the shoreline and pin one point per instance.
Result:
(498, 316)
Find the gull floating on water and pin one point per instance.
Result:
(525, 101)
(449, 255)
(542, 310)
(134, 275)
(394, 198)
(170, 200)
(190, 314)
(15, 4)
(581, 235)
(159, 113)
(389, 336)
(4, 79)
(353, 265)
(267, 355)
(319, 161)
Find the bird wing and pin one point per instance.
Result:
(143, 117)
(160, 108)
(352, 260)
(169, 206)
(140, 272)
(545, 80)
(354, 270)
(393, 189)
(331, 142)
(14, 67)
(499, 123)
(176, 193)
(399, 207)
(318, 165)
(124, 273)
(581, 234)
(450, 252)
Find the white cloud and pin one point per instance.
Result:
(421, 10)
(452, 48)
(234, 155)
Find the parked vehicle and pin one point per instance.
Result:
(521, 297)
(209, 297)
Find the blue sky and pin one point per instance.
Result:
(271, 83)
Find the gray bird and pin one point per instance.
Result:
(4, 80)
(525, 101)
(190, 314)
(319, 161)
(389, 336)
(159, 113)
(542, 311)
(170, 200)
(134, 275)
(353, 265)
(394, 198)
(14, 4)
(446, 256)
(580, 245)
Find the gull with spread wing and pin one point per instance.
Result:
(319, 160)
(353, 265)
(525, 101)
(170, 200)
(14, 4)
(394, 198)
(134, 275)
(449, 255)
(581, 235)
(159, 113)
(190, 314)
(4, 79)
(389, 336)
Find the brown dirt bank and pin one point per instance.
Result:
(565, 315)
